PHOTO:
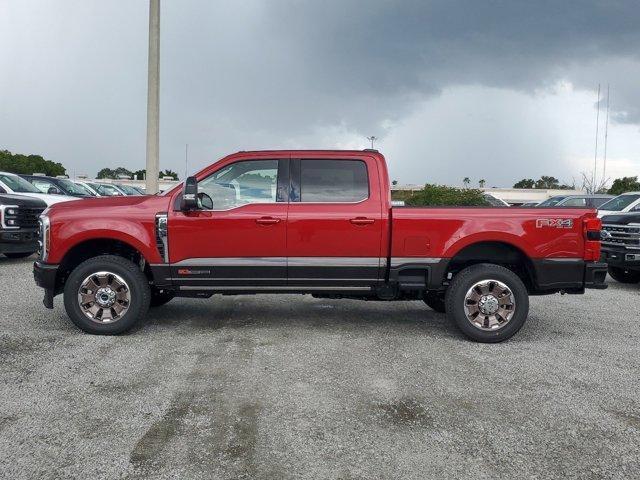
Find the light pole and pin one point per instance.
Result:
(153, 99)
(372, 139)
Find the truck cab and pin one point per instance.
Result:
(310, 222)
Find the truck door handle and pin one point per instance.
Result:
(362, 221)
(267, 221)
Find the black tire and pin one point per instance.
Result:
(623, 275)
(435, 301)
(160, 297)
(138, 288)
(462, 283)
(18, 255)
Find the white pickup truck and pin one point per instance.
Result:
(12, 183)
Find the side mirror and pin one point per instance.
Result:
(190, 194)
(53, 191)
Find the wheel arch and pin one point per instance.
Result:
(497, 252)
(93, 247)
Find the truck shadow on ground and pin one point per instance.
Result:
(344, 316)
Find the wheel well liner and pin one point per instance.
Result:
(499, 253)
(95, 247)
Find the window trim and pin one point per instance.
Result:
(296, 173)
(283, 168)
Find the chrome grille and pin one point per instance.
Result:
(627, 236)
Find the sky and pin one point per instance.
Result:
(493, 90)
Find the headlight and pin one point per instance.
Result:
(45, 237)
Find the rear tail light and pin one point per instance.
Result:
(592, 227)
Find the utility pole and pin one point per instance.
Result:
(153, 99)
(595, 155)
(372, 139)
(606, 136)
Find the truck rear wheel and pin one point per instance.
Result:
(623, 275)
(489, 303)
(106, 295)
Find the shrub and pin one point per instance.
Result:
(442, 195)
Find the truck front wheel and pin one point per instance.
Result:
(106, 295)
(489, 303)
(623, 275)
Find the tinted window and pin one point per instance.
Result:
(18, 184)
(574, 202)
(620, 203)
(551, 202)
(333, 181)
(241, 183)
(597, 201)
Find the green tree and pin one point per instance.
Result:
(394, 183)
(29, 164)
(106, 173)
(525, 183)
(466, 181)
(624, 184)
(442, 195)
(168, 173)
(546, 181)
(481, 183)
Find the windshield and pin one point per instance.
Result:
(71, 187)
(128, 190)
(620, 203)
(18, 184)
(551, 202)
(85, 189)
(108, 190)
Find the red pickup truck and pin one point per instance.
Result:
(311, 222)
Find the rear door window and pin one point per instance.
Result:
(333, 181)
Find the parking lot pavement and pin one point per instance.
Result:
(295, 387)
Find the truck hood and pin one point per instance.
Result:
(21, 201)
(622, 218)
(118, 205)
(50, 199)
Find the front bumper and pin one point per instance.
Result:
(19, 241)
(45, 276)
(621, 258)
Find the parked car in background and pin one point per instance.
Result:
(87, 187)
(128, 190)
(586, 201)
(12, 183)
(109, 190)
(19, 224)
(621, 245)
(627, 202)
(57, 186)
(495, 201)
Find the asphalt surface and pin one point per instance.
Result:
(275, 387)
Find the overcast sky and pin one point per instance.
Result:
(498, 90)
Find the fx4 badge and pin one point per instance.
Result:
(554, 223)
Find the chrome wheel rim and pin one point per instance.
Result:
(104, 297)
(489, 305)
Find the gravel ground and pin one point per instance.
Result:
(294, 387)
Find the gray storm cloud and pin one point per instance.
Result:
(256, 74)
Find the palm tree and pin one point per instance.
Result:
(481, 183)
(466, 181)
